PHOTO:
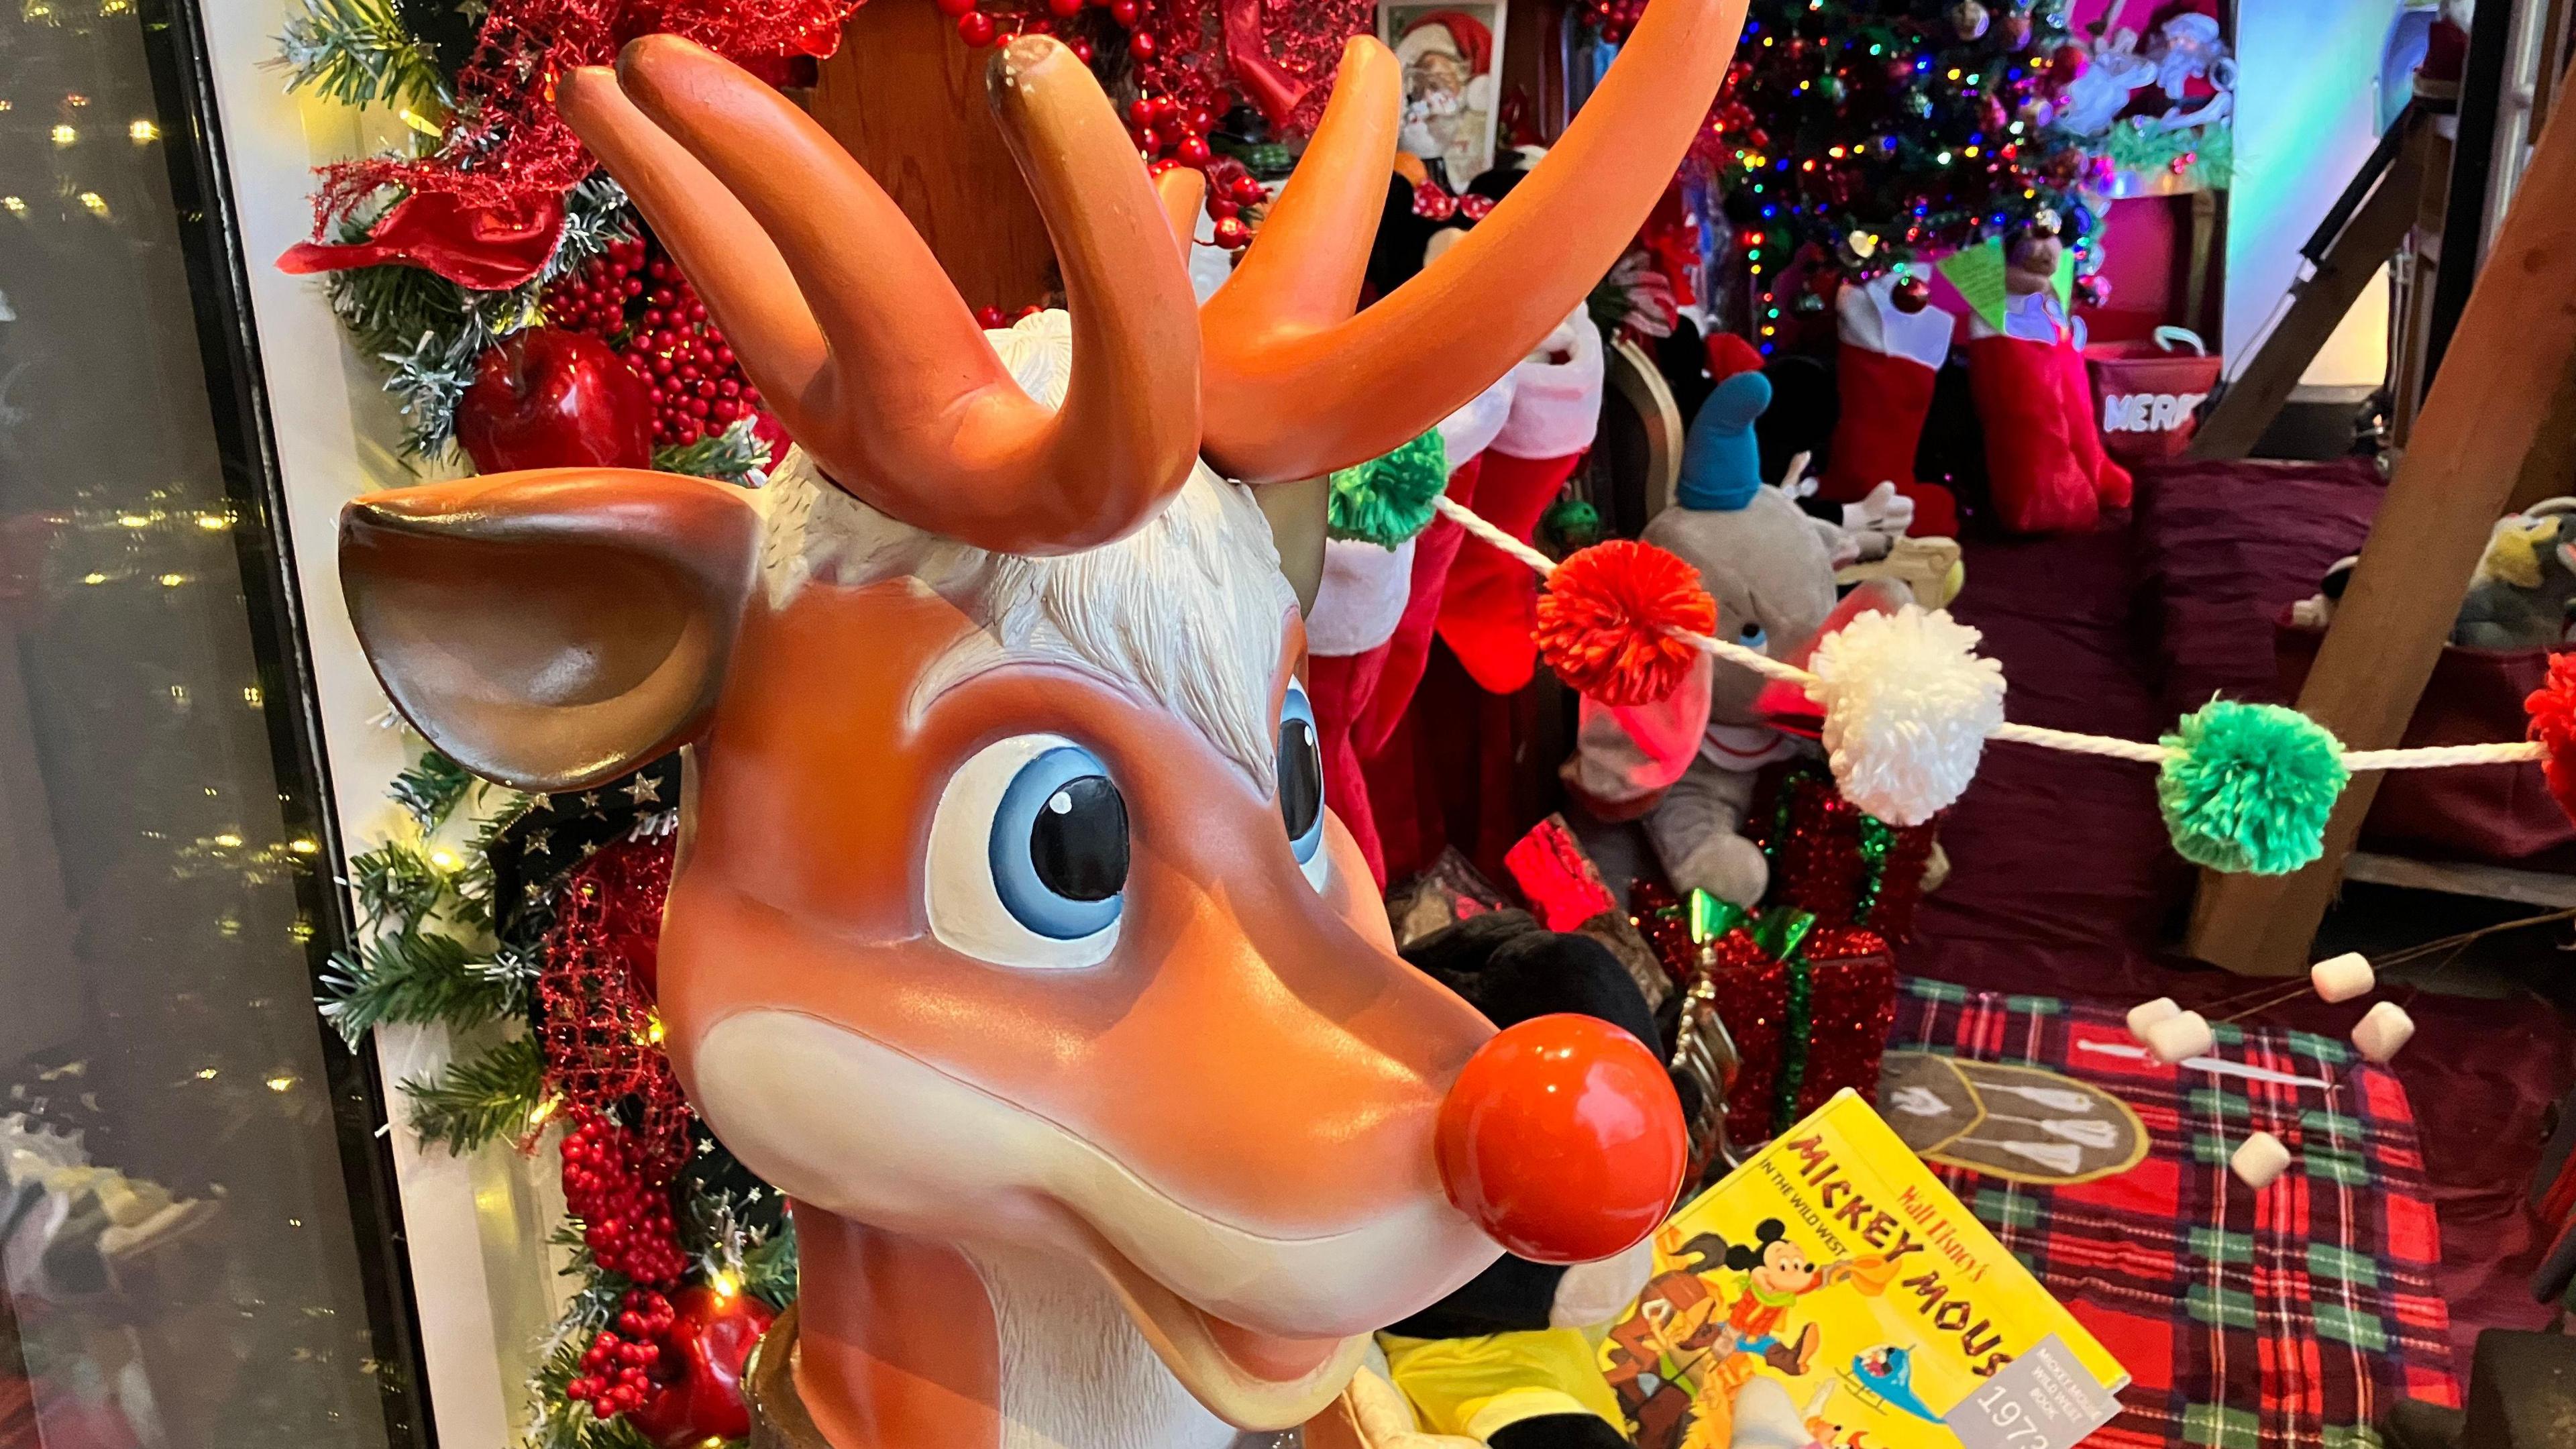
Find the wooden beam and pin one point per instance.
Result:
(906, 97)
(2495, 393)
(2317, 306)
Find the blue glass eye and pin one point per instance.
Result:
(1059, 845)
(1301, 776)
(1753, 636)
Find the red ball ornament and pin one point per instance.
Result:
(975, 28)
(1232, 234)
(1911, 295)
(1191, 149)
(1125, 12)
(1140, 113)
(551, 398)
(1604, 618)
(1064, 9)
(697, 1375)
(1141, 45)
(1562, 1138)
(1081, 49)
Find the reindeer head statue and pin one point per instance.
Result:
(1010, 935)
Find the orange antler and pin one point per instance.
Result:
(1296, 386)
(845, 321)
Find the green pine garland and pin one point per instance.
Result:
(737, 455)
(476, 1100)
(359, 52)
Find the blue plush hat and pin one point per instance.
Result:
(1722, 462)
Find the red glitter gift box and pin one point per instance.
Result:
(1836, 861)
(1808, 1006)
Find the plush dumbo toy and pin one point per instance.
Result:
(1687, 765)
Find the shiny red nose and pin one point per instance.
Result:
(1563, 1139)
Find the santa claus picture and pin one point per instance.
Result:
(1450, 53)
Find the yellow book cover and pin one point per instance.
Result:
(1832, 1292)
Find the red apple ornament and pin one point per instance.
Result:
(1563, 1139)
(551, 398)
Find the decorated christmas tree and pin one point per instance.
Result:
(1855, 137)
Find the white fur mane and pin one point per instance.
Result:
(1187, 610)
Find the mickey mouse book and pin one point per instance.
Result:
(1832, 1293)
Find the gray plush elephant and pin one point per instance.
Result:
(1690, 774)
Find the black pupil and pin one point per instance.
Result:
(1301, 778)
(1079, 843)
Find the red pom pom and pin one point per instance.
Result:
(1602, 622)
(2552, 708)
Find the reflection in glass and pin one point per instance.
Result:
(177, 1261)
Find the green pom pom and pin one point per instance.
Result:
(1387, 500)
(2251, 787)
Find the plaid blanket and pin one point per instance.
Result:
(2286, 1319)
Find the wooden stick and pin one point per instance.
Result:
(2492, 398)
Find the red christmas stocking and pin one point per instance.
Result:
(1489, 611)
(1884, 374)
(2044, 462)
(1409, 651)
(1491, 605)
(1358, 606)
(1339, 686)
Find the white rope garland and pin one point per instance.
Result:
(2143, 752)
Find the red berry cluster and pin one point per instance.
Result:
(625, 1213)
(617, 1369)
(698, 384)
(979, 27)
(1614, 18)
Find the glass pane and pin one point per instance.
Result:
(178, 1265)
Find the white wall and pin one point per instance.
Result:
(476, 1227)
(2306, 112)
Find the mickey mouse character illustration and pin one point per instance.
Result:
(1777, 1274)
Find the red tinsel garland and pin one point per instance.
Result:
(597, 1032)
(507, 145)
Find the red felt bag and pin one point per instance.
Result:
(2147, 396)
(2501, 814)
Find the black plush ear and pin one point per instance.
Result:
(551, 630)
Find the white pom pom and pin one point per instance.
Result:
(1908, 705)
(2146, 1014)
(2259, 1161)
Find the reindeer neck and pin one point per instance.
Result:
(909, 1344)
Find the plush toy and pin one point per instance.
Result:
(1687, 765)
(2525, 585)
(1510, 1359)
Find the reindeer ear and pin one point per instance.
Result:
(554, 629)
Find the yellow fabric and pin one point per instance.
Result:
(1479, 1386)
